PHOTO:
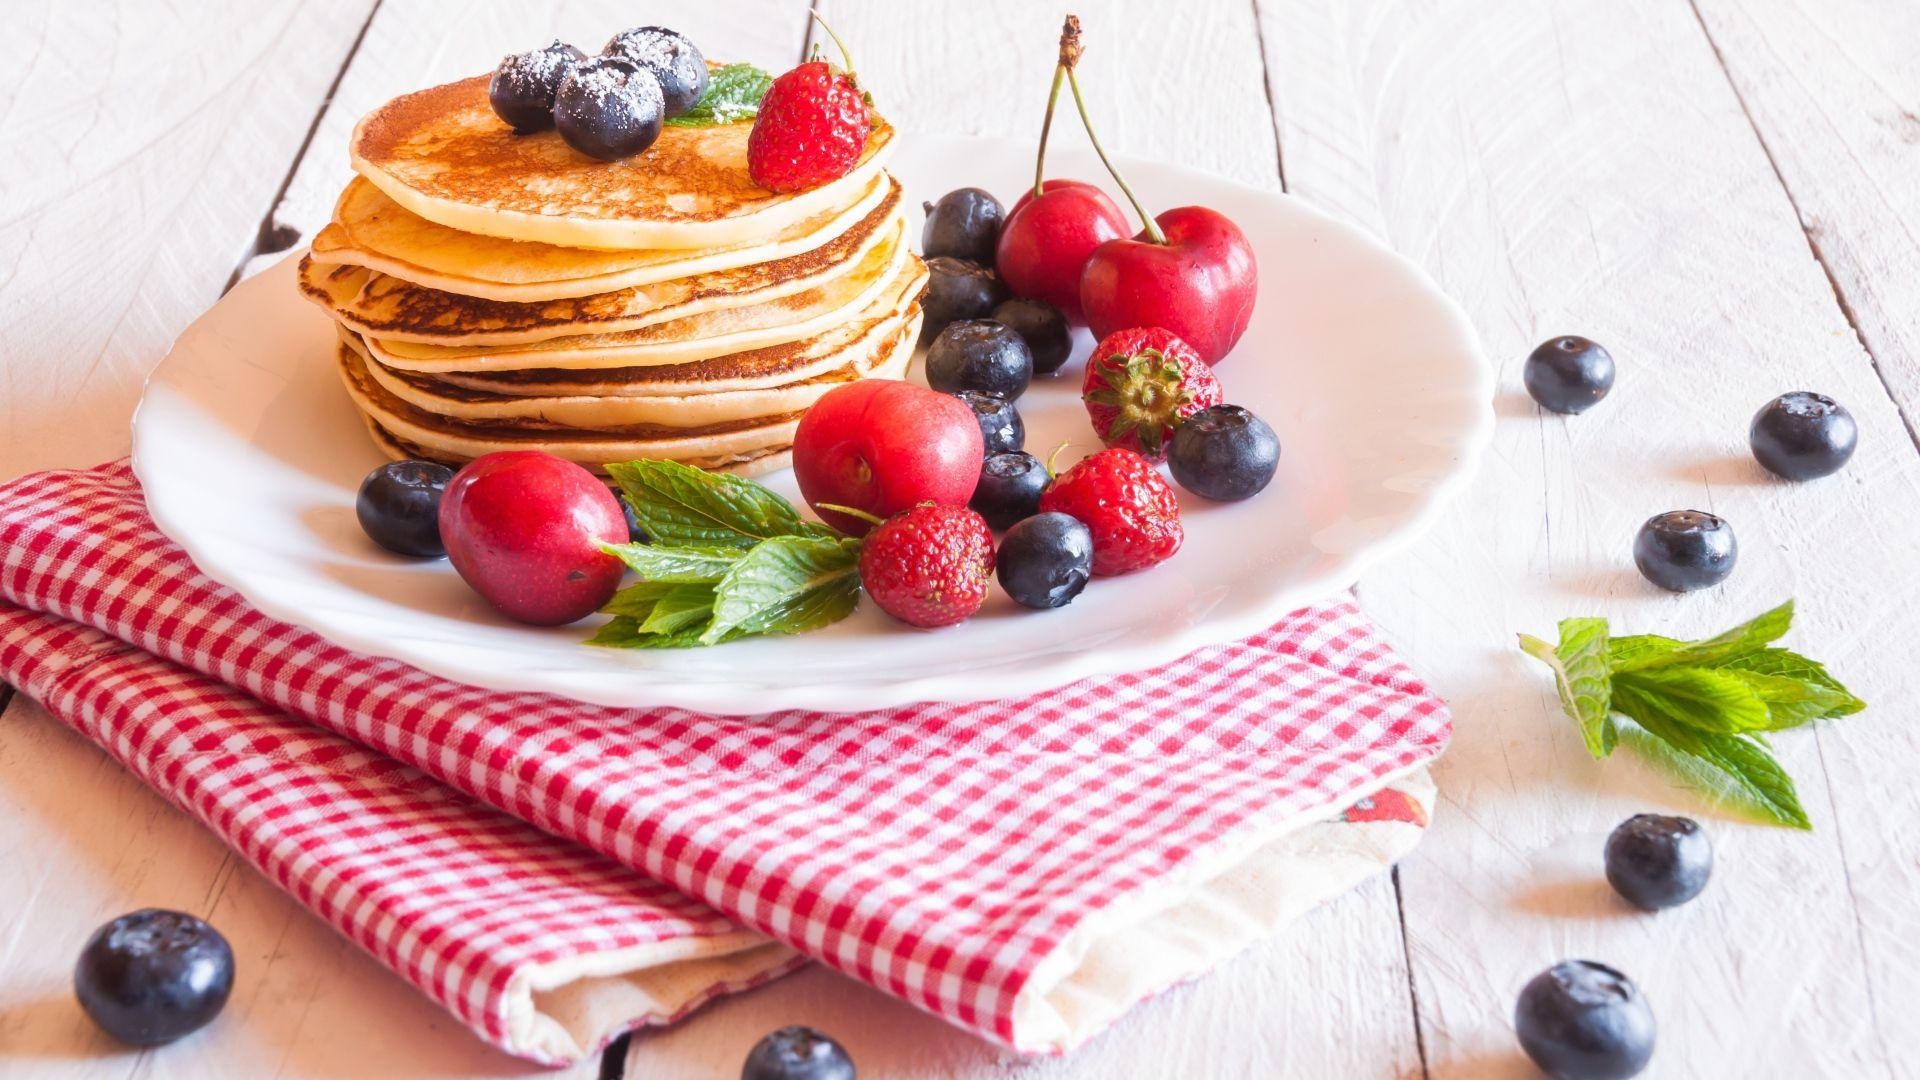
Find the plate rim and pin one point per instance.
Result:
(1009, 684)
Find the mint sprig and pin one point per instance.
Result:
(733, 93)
(1711, 700)
(728, 559)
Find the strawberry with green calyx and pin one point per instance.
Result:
(927, 566)
(1143, 383)
(812, 125)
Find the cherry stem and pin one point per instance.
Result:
(851, 511)
(1069, 56)
(846, 58)
(1150, 226)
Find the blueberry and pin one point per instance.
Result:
(1684, 550)
(979, 354)
(1009, 489)
(1045, 560)
(1657, 861)
(522, 88)
(1000, 423)
(608, 108)
(1569, 374)
(797, 1053)
(399, 507)
(675, 63)
(635, 534)
(1224, 453)
(957, 289)
(152, 976)
(1579, 1020)
(1042, 327)
(964, 224)
(1803, 436)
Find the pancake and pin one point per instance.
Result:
(444, 155)
(756, 463)
(682, 341)
(371, 230)
(882, 351)
(775, 365)
(397, 310)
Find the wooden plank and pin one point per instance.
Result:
(1583, 167)
(1329, 998)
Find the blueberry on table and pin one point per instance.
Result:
(399, 507)
(1569, 374)
(957, 289)
(1042, 327)
(152, 976)
(1684, 550)
(1045, 560)
(1224, 453)
(608, 108)
(522, 88)
(1010, 488)
(1803, 436)
(964, 224)
(979, 354)
(1656, 861)
(1000, 423)
(675, 63)
(797, 1053)
(1579, 1020)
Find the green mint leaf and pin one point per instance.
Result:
(777, 574)
(621, 631)
(1580, 670)
(687, 606)
(1701, 698)
(681, 506)
(1623, 652)
(624, 633)
(733, 93)
(674, 565)
(1792, 702)
(1785, 663)
(1743, 758)
(811, 610)
(1748, 637)
(637, 601)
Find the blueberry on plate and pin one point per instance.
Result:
(675, 62)
(1045, 560)
(152, 976)
(957, 289)
(608, 108)
(399, 507)
(1224, 453)
(964, 224)
(1569, 374)
(1579, 1020)
(635, 534)
(1010, 488)
(1042, 327)
(1656, 861)
(979, 354)
(1684, 550)
(1803, 436)
(797, 1053)
(522, 88)
(1000, 423)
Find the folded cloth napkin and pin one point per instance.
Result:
(1024, 869)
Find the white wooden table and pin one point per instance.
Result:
(1724, 192)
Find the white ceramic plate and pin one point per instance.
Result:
(251, 455)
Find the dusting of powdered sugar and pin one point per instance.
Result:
(653, 47)
(606, 79)
(538, 73)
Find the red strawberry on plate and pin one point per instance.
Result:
(1127, 505)
(1141, 384)
(929, 566)
(812, 126)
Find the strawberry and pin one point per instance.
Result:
(1141, 384)
(812, 126)
(928, 566)
(1127, 505)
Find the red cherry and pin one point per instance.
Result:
(882, 446)
(524, 527)
(1200, 284)
(1046, 241)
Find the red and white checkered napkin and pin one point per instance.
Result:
(1024, 869)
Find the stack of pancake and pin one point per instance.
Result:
(496, 291)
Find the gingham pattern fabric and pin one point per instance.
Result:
(458, 899)
(938, 852)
